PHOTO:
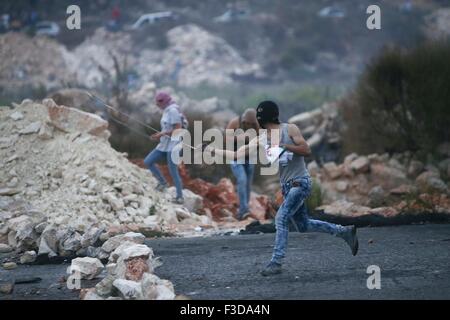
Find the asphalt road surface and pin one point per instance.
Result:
(414, 263)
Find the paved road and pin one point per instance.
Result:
(414, 262)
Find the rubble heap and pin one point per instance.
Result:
(319, 126)
(437, 24)
(193, 56)
(130, 275)
(63, 188)
(29, 61)
(380, 189)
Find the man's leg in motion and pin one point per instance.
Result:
(175, 174)
(292, 203)
(250, 171)
(304, 224)
(150, 162)
(241, 178)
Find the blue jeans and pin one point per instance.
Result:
(294, 208)
(150, 162)
(244, 176)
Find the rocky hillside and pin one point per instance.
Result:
(63, 187)
(379, 189)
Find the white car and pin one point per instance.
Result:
(332, 12)
(152, 18)
(47, 28)
(232, 15)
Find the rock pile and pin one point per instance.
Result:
(379, 189)
(321, 127)
(130, 275)
(437, 24)
(193, 56)
(64, 190)
(33, 62)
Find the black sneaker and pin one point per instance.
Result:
(349, 235)
(271, 269)
(178, 200)
(244, 216)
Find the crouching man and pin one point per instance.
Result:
(243, 170)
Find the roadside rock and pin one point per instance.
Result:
(9, 265)
(89, 268)
(153, 288)
(360, 165)
(430, 181)
(344, 209)
(129, 290)
(376, 197)
(415, 168)
(387, 177)
(4, 248)
(113, 243)
(28, 257)
(332, 170)
(105, 287)
(6, 288)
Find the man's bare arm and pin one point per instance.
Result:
(231, 136)
(249, 149)
(300, 145)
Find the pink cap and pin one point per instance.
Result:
(163, 98)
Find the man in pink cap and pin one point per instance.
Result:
(171, 120)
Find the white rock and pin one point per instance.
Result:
(112, 243)
(31, 128)
(90, 237)
(332, 170)
(152, 222)
(135, 251)
(360, 165)
(153, 288)
(193, 202)
(129, 290)
(89, 268)
(116, 203)
(182, 214)
(92, 296)
(45, 132)
(16, 116)
(164, 292)
(4, 248)
(28, 257)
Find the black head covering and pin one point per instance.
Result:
(267, 112)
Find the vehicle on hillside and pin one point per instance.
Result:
(47, 28)
(152, 18)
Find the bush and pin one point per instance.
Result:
(401, 102)
(315, 199)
